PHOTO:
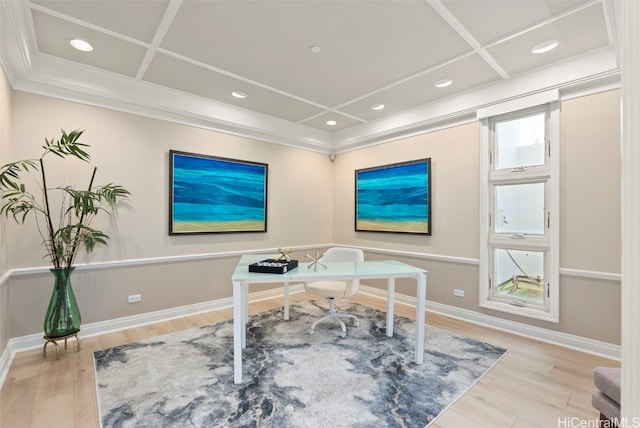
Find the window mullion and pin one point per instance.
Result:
(518, 265)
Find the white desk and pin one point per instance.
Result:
(388, 269)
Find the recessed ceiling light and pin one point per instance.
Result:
(546, 46)
(315, 49)
(377, 107)
(331, 122)
(442, 83)
(81, 45)
(239, 94)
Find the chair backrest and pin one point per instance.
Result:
(342, 254)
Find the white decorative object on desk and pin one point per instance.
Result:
(314, 264)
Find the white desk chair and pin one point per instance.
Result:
(336, 289)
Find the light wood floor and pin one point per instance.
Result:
(534, 385)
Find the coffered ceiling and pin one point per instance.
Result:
(299, 64)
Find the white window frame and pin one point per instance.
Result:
(547, 243)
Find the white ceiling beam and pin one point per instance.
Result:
(466, 35)
(582, 71)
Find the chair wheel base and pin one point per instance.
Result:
(335, 317)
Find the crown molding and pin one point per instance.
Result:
(587, 72)
(40, 74)
(63, 79)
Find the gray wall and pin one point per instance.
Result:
(134, 151)
(311, 203)
(589, 209)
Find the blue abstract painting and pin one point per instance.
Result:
(394, 198)
(211, 194)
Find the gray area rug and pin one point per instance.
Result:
(291, 379)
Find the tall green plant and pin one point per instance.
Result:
(72, 229)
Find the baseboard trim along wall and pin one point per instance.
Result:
(19, 344)
(565, 340)
(578, 343)
(33, 341)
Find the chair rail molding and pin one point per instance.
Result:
(36, 270)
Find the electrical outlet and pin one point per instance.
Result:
(135, 298)
(458, 292)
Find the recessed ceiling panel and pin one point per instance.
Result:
(111, 54)
(421, 89)
(364, 44)
(491, 20)
(134, 18)
(300, 61)
(341, 122)
(515, 56)
(174, 73)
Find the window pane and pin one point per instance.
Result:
(519, 275)
(520, 142)
(520, 208)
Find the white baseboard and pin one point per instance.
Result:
(5, 363)
(578, 343)
(33, 341)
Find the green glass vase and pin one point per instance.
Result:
(63, 315)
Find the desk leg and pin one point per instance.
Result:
(238, 327)
(245, 313)
(286, 300)
(391, 291)
(245, 300)
(421, 298)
